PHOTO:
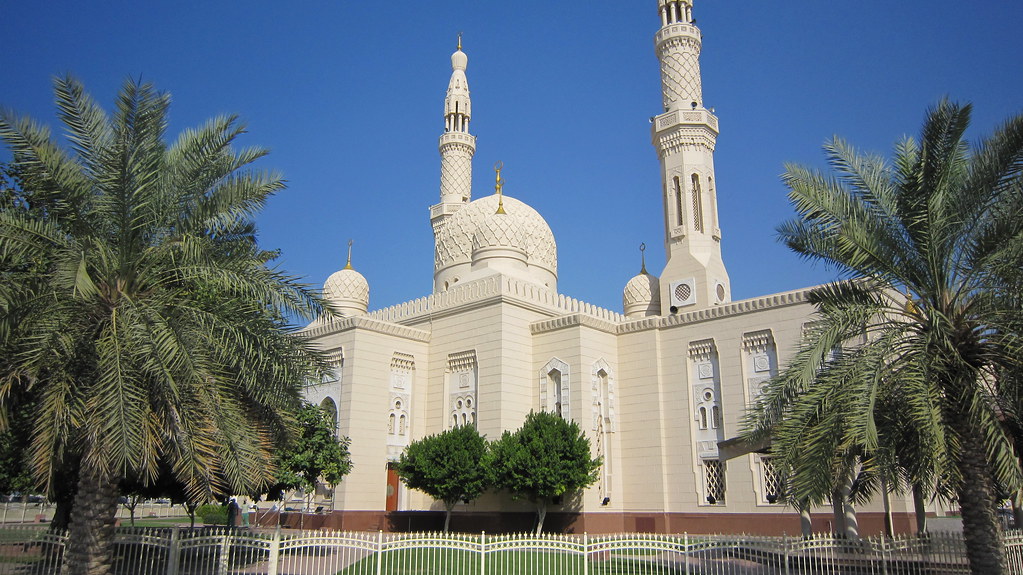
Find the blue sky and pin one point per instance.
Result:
(349, 96)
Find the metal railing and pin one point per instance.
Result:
(220, 551)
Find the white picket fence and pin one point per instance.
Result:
(173, 551)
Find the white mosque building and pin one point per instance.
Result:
(655, 386)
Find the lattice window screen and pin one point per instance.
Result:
(714, 480)
(772, 480)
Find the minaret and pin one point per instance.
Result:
(457, 145)
(694, 276)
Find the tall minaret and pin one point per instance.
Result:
(694, 276)
(457, 145)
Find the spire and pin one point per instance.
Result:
(498, 186)
(457, 145)
(348, 266)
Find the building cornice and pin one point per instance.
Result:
(574, 320)
(331, 326)
(738, 308)
(403, 320)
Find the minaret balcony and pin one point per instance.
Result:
(696, 117)
(464, 138)
(676, 30)
(442, 210)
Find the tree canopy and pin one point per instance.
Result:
(547, 457)
(315, 454)
(907, 362)
(138, 305)
(451, 466)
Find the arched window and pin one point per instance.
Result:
(703, 418)
(330, 408)
(697, 204)
(554, 388)
(390, 424)
(679, 203)
(554, 384)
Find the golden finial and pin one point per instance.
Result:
(910, 308)
(642, 255)
(498, 185)
(348, 266)
(459, 41)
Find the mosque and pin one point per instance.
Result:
(656, 386)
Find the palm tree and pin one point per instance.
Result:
(940, 224)
(139, 307)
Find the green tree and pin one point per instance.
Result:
(547, 457)
(451, 466)
(15, 475)
(316, 454)
(936, 224)
(141, 309)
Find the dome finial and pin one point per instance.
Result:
(498, 185)
(459, 41)
(642, 255)
(348, 266)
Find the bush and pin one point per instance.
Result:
(212, 514)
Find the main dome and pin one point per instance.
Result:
(455, 238)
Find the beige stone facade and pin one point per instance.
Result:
(655, 387)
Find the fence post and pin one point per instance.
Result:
(225, 554)
(273, 561)
(586, 553)
(483, 553)
(884, 556)
(685, 545)
(380, 550)
(174, 551)
(786, 550)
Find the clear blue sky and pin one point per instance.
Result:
(349, 95)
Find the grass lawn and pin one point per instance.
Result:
(455, 562)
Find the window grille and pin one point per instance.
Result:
(772, 481)
(714, 481)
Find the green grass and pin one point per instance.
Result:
(455, 562)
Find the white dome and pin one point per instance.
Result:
(348, 290)
(523, 224)
(459, 61)
(499, 230)
(642, 296)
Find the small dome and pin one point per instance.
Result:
(642, 296)
(459, 61)
(348, 291)
(500, 230)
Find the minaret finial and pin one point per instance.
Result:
(498, 185)
(348, 266)
(459, 40)
(642, 255)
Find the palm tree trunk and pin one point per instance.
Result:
(1017, 510)
(886, 498)
(920, 507)
(91, 533)
(977, 502)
